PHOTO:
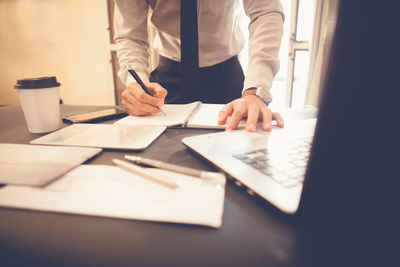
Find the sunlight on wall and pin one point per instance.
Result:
(64, 38)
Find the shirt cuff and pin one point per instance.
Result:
(258, 77)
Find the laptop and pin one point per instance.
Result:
(269, 164)
(340, 163)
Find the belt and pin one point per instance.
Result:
(169, 65)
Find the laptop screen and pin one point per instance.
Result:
(353, 169)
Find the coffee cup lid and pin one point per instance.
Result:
(35, 83)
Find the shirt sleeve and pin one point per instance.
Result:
(265, 34)
(130, 22)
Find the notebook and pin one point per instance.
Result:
(111, 136)
(39, 165)
(192, 115)
(109, 191)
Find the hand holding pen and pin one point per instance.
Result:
(139, 99)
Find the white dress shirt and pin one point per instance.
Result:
(220, 36)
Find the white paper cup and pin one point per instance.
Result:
(40, 103)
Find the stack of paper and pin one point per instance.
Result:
(39, 165)
(112, 192)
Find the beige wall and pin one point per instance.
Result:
(64, 38)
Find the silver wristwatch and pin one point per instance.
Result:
(264, 94)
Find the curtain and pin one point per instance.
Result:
(324, 27)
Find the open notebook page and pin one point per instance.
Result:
(176, 114)
(206, 116)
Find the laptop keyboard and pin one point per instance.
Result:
(285, 164)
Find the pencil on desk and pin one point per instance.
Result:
(174, 168)
(144, 173)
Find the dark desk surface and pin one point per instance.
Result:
(252, 234)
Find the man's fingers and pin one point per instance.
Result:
(142, 96)
(225, 113)
(145, 108)
(137, 102)
(239, 111)
(252, 118)
(131, 109)
(126, 99)
(157, 90)
(279, 120)
(267, 117)
(136, 107)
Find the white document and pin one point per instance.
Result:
(113, 192)
(176, 114)
(130, 137)
(39, 165)
(192, 115)
(206, 116)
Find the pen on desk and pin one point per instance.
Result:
(173, 167)
(140, 82)
(145, 173)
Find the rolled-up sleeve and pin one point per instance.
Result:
(130, 21)
(265, 34)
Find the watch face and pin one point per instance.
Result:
(264, 94)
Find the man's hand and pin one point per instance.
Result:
(136, 102)
(251, 106)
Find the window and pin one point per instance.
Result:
(289, 88)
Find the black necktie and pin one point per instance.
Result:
(189, 50)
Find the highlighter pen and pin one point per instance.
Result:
(140, 82)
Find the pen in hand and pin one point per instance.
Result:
(140, 82)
